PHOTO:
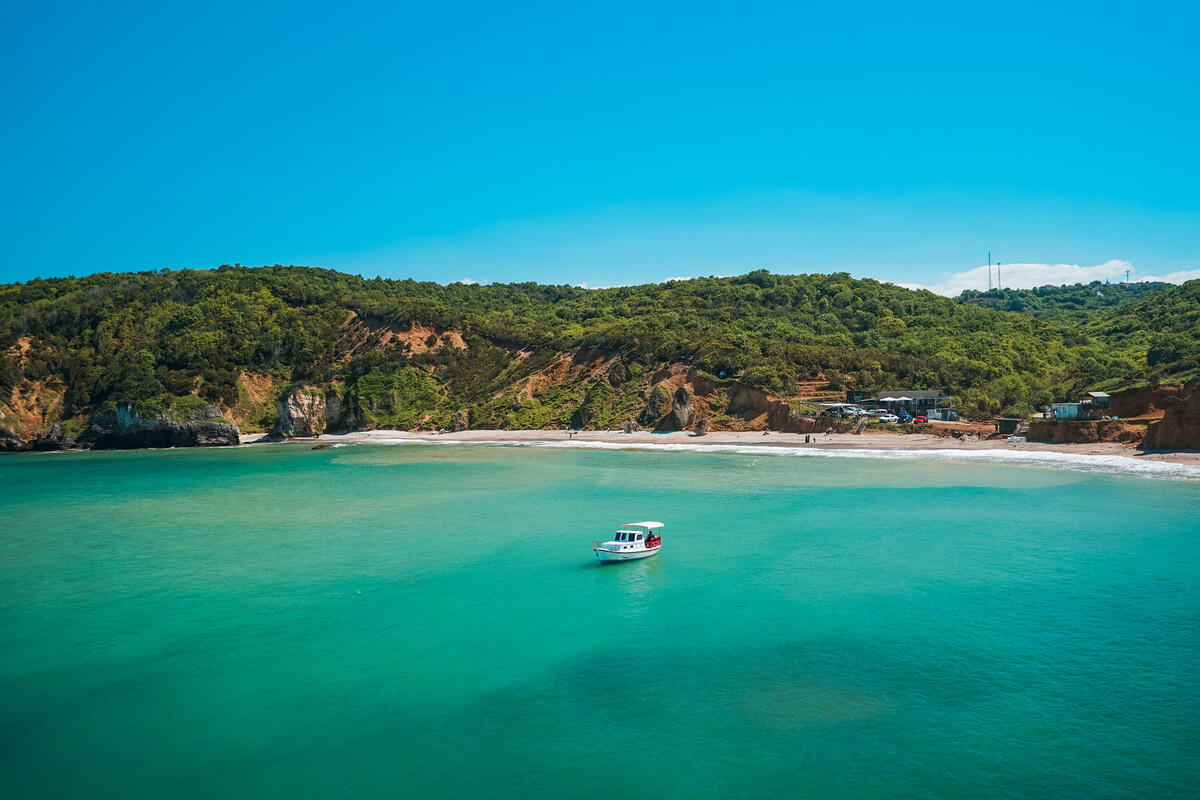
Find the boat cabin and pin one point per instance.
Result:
(628, 536)
(629, 539)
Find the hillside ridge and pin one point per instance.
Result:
(406, 354)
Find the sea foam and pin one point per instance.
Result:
(1108, 464)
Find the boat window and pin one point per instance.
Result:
(639, 537)
(621, 536)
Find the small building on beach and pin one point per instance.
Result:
(1092, 408)
(933, 403)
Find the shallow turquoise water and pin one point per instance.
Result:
(413, 621)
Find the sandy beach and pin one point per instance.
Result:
(846, 441)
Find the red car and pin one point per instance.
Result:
(921, 418)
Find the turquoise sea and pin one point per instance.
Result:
(429, 621)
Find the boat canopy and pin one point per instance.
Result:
(649, 525)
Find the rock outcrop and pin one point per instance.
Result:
(1179, 429)
(461, 420)
(54, 440)
(683, 407)
(10, 442)
(301, 414)
(702, 427)
(126, 429)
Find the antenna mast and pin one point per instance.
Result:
(999, 284)
(989, 270)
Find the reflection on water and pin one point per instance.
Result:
(635, 583)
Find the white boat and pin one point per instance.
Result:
(633, 541)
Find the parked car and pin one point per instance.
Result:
(921, 418)
(888, 418)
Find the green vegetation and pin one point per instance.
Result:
(1075, 304)
(1162, 331)
(171, 341)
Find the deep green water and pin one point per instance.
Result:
(413, 621)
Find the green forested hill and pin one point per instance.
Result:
(161, 339)
(1075, 304)
(1165, 327)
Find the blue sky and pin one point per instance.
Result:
(603, 144)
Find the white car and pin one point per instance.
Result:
(888, 418)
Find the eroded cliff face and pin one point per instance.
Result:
(1060, 431)
(1179, 429)
(679, 398)
(761, 411)
(126, 429)
(340, 414)
(1147, 401)
(310, 411)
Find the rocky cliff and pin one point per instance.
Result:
(126, 429)
(54, 439)
(1179, 429)
(309, 411)
(341, 416)
(10, 442)
(301, 414)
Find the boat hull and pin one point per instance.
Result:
(615, 556)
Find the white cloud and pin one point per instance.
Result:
(1027, 276)
(678, 278)
(467, 282)
(584, 285)
(1175, 277)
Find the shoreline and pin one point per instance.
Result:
(820, 442)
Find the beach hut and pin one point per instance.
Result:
(1007, 425)
(1065, 410)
